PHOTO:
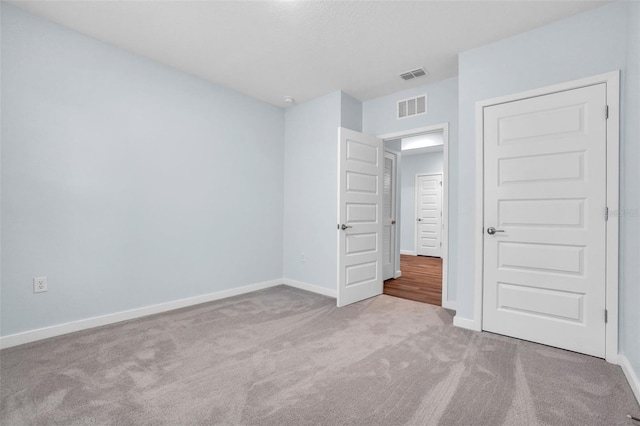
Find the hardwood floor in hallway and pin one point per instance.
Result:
(421, 280)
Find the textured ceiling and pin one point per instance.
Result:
(272, 49)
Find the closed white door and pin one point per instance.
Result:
(360, 175)
(388, 216)
(544, 219)
(429, 215)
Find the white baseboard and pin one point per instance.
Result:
(465, 323)
(398, 274)
(70, 327)
(631, 375)
(409, 252)
(311, 287)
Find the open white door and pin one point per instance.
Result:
(360, 167)
(388, 216)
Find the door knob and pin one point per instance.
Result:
(419, 220)
(343, 227)
(491, 230)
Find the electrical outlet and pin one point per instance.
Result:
(39, 284)
(302, 258)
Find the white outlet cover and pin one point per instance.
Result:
(39, 284)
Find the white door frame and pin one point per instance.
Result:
(612, 81)
(394, 191)
(444, 128)
(416, 187)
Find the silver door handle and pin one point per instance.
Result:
(491, 230)
(343, 227)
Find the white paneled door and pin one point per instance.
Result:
(360, 175)
(388, 216)
(544, 219)
(429, 215)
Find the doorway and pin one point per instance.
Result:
(419, 215)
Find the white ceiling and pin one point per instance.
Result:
(272, 49)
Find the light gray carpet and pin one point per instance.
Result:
(283, 356)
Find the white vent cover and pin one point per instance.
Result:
(412, 106)
(410, 75)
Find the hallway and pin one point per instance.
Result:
(421, 280)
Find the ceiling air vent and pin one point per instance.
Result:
(412, 106)
(410, 75)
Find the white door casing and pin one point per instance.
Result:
(545, 186)
(444, 128)
(429, 215)
(360, 172)
(388, 216)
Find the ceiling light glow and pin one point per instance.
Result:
(422, 141)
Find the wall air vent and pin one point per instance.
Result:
(410, 75)
(412, 106)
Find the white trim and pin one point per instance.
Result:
(465, 323)
(444, 128)
(311, 287)
(613, 225)
(631, 375)
(398, 274)
(479, 216)
(612, 80)
(84, 324)
(445, 219)
(409, 252)
(413, 132)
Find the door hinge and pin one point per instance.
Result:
(338, 226)
(606, 316)
(440, 183)
(606, 213)
(606, 112)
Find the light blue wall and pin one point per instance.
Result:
(379, 118)
(587, 44)
(379, 115)
(630, 201)
(350, 112)
(413, 165)
(127, 183)
(310, 188)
